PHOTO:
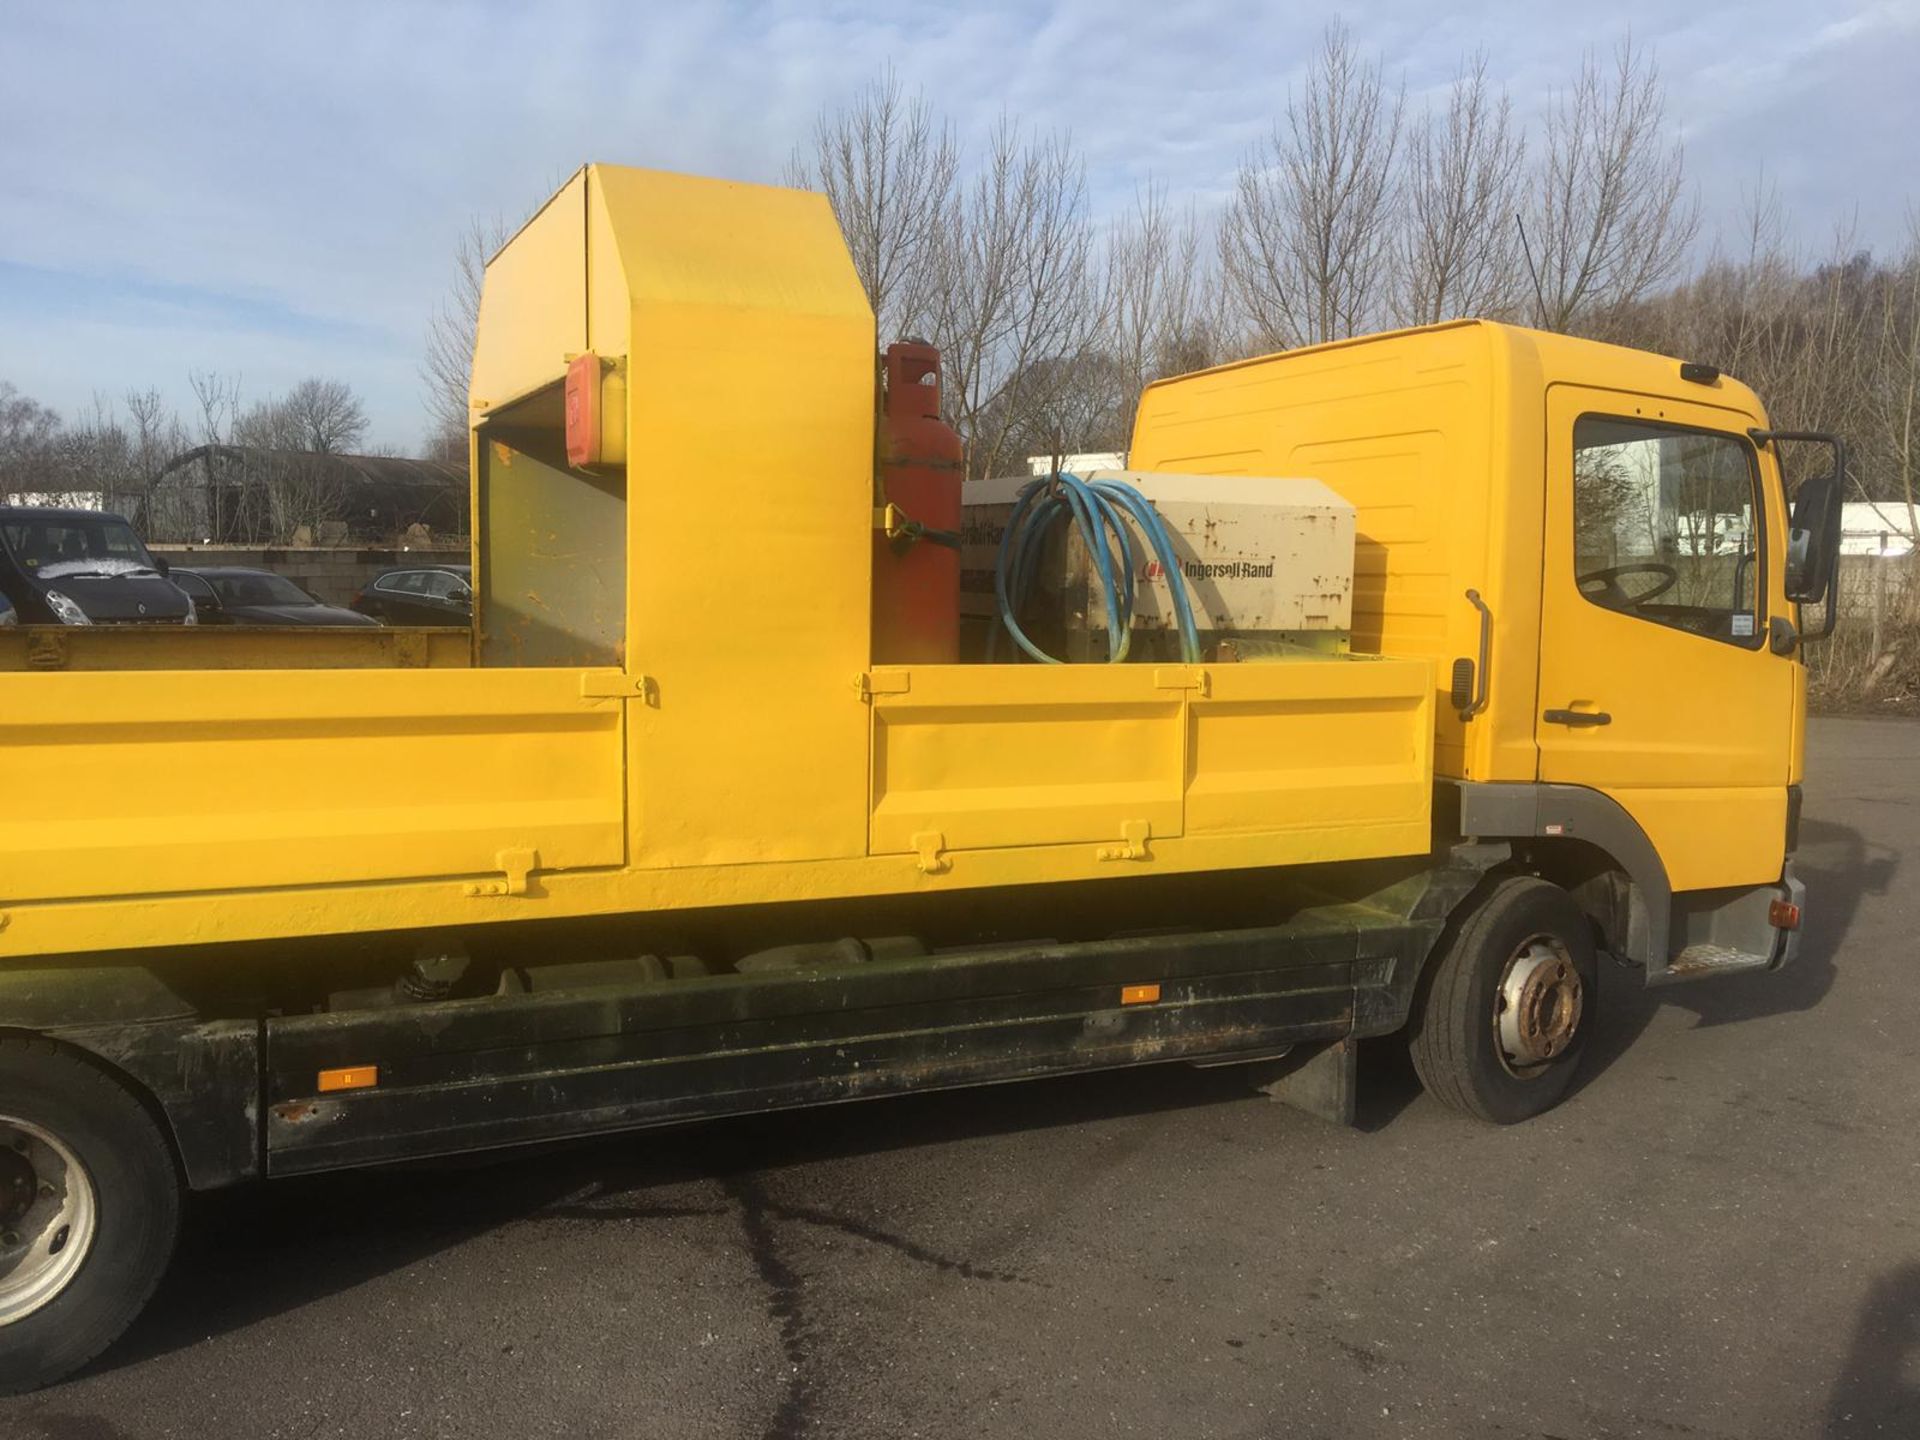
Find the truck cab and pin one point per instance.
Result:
(1591, 544)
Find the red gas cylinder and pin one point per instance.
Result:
(916, 545)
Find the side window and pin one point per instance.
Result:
(1666, 526)
(199, 589)
(406, 582)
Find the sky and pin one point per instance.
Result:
(276, 191)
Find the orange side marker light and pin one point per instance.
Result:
(350, 1077)
(1139, 994)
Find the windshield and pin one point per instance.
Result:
(258, 590)
(47, 546)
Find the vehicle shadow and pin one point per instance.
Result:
(1839, 868)
(251, 1253)
(1877, 1392)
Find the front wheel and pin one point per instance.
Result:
(1505, 1010)
(89, 1210)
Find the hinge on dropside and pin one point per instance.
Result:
(929, 844)
(1182, 677)
(1133, 842)
(613, 685)
(514, 866)
(47, 649)
(868, 684)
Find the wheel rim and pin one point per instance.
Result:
(48, 1217)
(1537, 1006)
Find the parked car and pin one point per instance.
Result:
(83, 567)
(425, 595)
(230, 595)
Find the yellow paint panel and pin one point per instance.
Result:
(749, 518)
(1712, 836)
(1398, 426)
(1037, 755)
(1001, 755)
(1698, 747)
(609, 303)
(533, 308)
(233, 780)
(1311, 745)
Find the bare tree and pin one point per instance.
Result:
(287, 478)
(218, 399)
(1013, 285)
(28, 431)
(447, 366)
(1897, 397)
(1457, 251)
(889, 168)
(1611, 217)
(1305, 238)
(1159, 319)
(325, 415)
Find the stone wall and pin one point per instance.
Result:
(335, 574)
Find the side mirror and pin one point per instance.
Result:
(1813, 539)
(1813, 530)
(160, 564)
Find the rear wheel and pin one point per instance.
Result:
(89, 1209)
(1504, 1012)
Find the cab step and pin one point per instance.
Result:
(1702, 960)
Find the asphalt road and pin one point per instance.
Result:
(1717, 1236)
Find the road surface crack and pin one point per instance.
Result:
(786, 1296)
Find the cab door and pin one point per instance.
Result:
(1658, 682)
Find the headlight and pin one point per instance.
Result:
(66, 611)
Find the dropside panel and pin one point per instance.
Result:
(234, 780)
(1313, 753)
(1004, 755)
(1310, 746)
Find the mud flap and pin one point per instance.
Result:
(1322, 1080)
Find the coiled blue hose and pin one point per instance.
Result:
(1099, 510)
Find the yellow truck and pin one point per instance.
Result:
(674, 836)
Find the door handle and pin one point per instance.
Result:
(1577, 718)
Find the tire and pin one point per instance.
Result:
(70, 1134)
(1505, 1008)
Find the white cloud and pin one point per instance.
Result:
(306, 169)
